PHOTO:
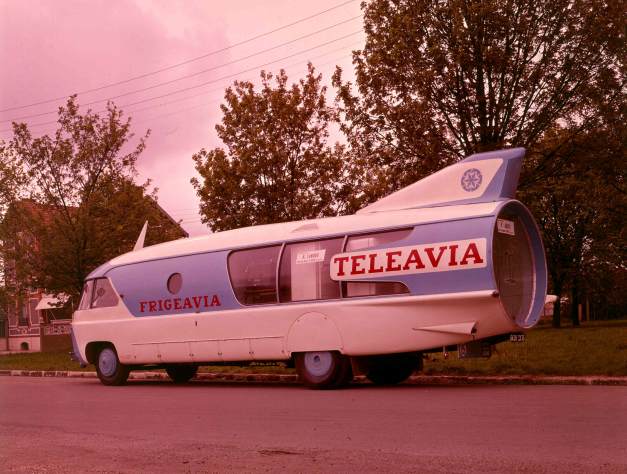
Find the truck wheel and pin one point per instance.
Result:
(392, 369)
(110, 370)
(181, 373)
(324, 369)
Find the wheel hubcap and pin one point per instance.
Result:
(318, 363)
(107, 362)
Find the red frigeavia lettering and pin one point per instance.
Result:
(190, 302)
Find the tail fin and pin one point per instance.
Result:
(142, 236)
(482, 177)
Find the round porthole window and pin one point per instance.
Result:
(175, 282)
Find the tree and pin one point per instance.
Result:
(276, 165)
(581, 215)
(82, 208)
(438, 80)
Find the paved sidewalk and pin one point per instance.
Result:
(292, 378)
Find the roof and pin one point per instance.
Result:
(300, 230)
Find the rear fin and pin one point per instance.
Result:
(482, 177)
(142, 236)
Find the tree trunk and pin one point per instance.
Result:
(556, 312)
(574, 307)
(557, 289)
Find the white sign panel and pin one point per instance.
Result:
(505, 227)
(428, 258)
(311, 256)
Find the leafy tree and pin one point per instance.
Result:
(275, 165)
(581, 215)
(438, 80)
(82, 208)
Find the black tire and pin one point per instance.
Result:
(181, 373)
(345, 375)
(393, 368)
(109, 369)
(322, 370)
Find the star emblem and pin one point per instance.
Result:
(471, 179)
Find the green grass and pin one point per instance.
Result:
(596, 348)
(40, 361)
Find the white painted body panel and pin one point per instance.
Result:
(358, 326)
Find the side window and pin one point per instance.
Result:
(364, 288)
(86, 295)
(305, 273)
(103, 296)
(253, 275)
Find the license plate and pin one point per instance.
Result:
(517, 337)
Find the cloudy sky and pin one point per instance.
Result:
(142, 54)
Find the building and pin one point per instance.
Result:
(33, 319)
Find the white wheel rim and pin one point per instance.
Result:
(107, 362)
(318, 363)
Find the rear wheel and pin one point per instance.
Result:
(324, 369)
(393, 368)
(109, 369)
(181, 373)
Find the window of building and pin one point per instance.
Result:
(253, 274)
(34, 314)
(368, 241)
(104, 295)
(305, 273)
(22, 312)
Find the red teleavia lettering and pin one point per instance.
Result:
(188, 303)
(435, 257)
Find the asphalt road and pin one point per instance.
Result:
(77, 425)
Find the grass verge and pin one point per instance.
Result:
(595, 348)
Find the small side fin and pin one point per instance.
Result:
(468, 328)
(142, 236)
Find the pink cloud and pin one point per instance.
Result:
(51, 48)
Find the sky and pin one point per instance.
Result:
(50, 49)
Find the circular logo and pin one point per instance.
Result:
(471, 179)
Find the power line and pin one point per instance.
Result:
(221, 88)
(187, 76)
(213, 81)
(206, 104)
(167, 68)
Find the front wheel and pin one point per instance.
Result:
(393, 368)
(181, 373)
(324, 369)
(109, 369)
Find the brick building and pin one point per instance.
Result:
(36, 320)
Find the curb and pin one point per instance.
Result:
(360, 379)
